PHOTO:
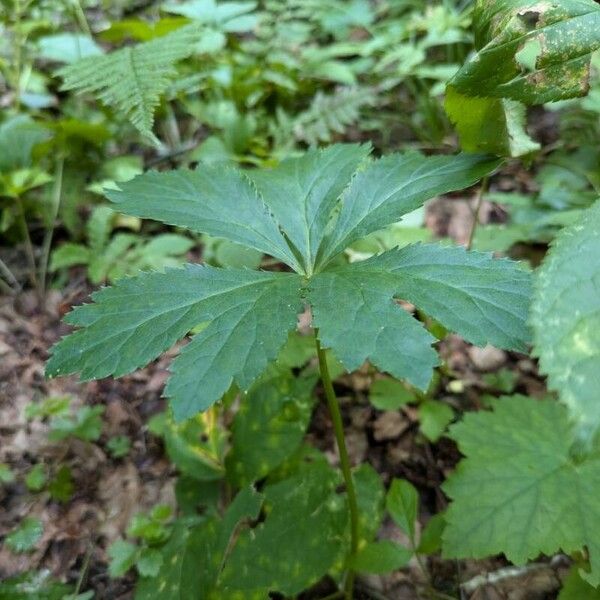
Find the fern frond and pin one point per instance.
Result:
(331, 114)
(131, 80)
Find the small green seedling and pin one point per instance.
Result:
(25, 536)
(119, 446)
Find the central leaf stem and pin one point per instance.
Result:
(338, 427)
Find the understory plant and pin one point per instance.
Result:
(305, 212)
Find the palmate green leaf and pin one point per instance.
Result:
(217, 200)
(566, 320)
(519, 490)
(303, 213)
(528, 53)
(483, 299)
(131, 323)
(132, 79)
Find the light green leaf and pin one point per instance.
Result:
(133, 322)
(566, 320)
(67, 47)
(434, 417)
(402, 502)
(36, 478)
(122, 556)
(576, 588)
(18, 138)
(347, 306)
(149, 562)
(194, 449)
(6, 474)
(217, 200)
(395, 185)
(493, 125)
(390, 394)
(381, 557)
(302, 192)
(68, 255)
(269, 426)
(25, 536)
(120, 79)
(519, 491)
(485, 300)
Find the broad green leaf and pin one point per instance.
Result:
(528, 53)
(269, 426)
(402, 502)
(483, 299)
(434, 417)
(520, 491)
(193, 558)
(298, 541)
(395, 185)
(302, 192)
(566, 320)
(169, 583)
(532, 52)
(25, 536)
(217, 200)
(381, 557)
(121, 78)
(128, 325)
(348, 307)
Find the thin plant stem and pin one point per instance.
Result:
(28, 245)
(482, 190)
(55, 205)
(338, 427)
(81, 18)
(7, 289)
(17, 54)
(8, 274)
